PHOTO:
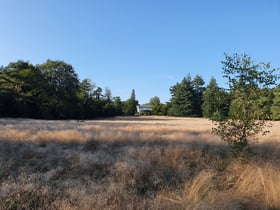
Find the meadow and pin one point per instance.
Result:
(132, 163)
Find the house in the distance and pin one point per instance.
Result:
(143, 108)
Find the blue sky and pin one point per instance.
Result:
(146, 45)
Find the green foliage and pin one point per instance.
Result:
(164, 109)
(108, 95)
(61, 90)
(97, 93)
(186, 97)
(215, 101)
(20, 90)
(129, 107)
(86, 88)
(181, 102)
(198, 88)
(156, 105)
(108, 109)
(118, 106)
(154, 101)
(52, 90)
(275, 109)
(248, 83)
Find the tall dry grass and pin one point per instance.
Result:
(132, 163)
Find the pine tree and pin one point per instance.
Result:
(130, 105)
(275, 109)
(198, 86)
(215, 101)
(182, 98)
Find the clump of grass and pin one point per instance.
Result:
(260, 182)
(91, 145)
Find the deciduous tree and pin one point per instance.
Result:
(62, 89)
(247, 82)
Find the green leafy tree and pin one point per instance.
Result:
(108, 109)
(61, 89)
(247, 82)
(164, 109)
(154, 101)
(156, 106)
(118, 106)
(52, 90)
(215, 101)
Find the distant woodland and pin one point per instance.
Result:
(52, 90)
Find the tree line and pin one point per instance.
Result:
(52, 90)
(248, 81)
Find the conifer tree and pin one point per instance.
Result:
(215, 101)
(182, 98)
(130, 105)
(275, 109)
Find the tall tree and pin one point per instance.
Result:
(275, 109)
(118, 106)
(156, 106)
(154, 101)
(62, 89)
(130, 105)
(86, 98)
(198, 87)
(133, 95)
(182, 98)
(97, 93)
(86, 88)
(108, 95)
(21, 88)
(215, 101)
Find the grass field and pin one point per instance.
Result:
(132, 163)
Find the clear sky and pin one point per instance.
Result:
(146, 45)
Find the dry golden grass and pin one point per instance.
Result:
(132, 163)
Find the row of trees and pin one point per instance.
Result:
(191, 98)
(52, 90)
(241, 111)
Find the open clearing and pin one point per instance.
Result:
(132, 163)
